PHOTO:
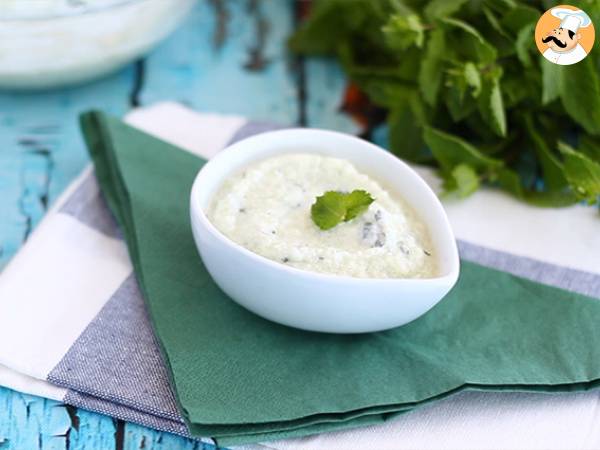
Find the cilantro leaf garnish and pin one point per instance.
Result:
(334, 207)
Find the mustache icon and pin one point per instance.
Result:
(555, 40)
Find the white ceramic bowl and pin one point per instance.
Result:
(46, 44)
(315, 301)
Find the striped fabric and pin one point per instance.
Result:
(77, 329)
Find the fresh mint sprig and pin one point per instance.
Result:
(334, 207)
(466, 91)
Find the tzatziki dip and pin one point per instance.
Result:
(266, 208)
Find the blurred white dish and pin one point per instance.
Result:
(315, 301)
(52, 43)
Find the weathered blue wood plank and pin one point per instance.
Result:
(42, 150)
(137, 437)
(90, 431)
(34, 423)
(325, 85)
(230, 58)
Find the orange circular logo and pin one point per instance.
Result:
(564, 35)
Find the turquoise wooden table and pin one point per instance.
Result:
(228, 57)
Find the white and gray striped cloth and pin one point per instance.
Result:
(73, 325)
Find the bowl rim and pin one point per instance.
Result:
(197, 214)
(89, 9)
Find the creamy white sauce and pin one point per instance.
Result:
(266, 209)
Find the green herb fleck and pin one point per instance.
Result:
(334, 207)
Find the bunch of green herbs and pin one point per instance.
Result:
(467, 91)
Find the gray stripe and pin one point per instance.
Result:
(131, 415)
(117, 358)
(125, 413)
(87, 205)
(563, 277)
(252, 128)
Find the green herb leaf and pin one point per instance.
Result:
(519, 16)
(357, 203)
(509, 180)
(406, 130)
(328, 210)
(550, 80)
(495, 23)
(442, 8)
(334, 207)
(403, 31)
(590, 146)
(463, 181)
(582, 173)
(491, 104)
(451, 151)
(524, 44)
(551, 199)
(430, 75)
(580, 94)
(472, 78)
(552, 168)
(458, 81)
(472, 44)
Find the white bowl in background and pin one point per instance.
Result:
(45, 44)
(315, 301)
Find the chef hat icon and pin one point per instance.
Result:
(571, 19)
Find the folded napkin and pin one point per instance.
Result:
(80, 332)
(240, 378)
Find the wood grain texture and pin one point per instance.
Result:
(229, 57)
(42, 150)
(34, 423)
(325, 85)
(137, 437)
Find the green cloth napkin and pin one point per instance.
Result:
(240, 378)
